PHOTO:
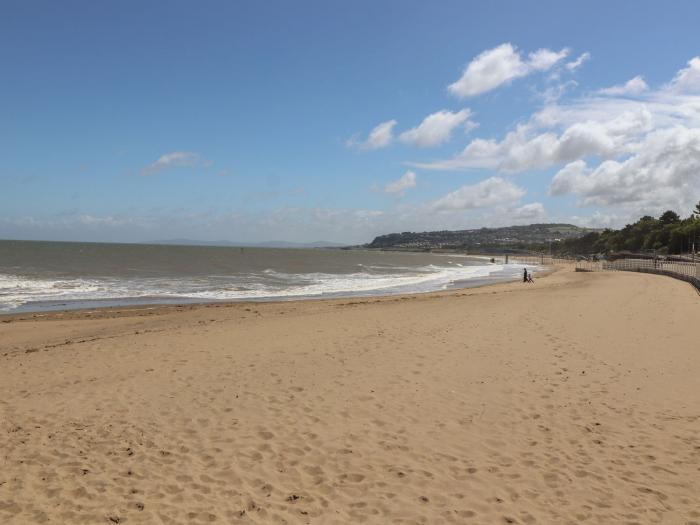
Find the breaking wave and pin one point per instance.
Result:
(18, 292)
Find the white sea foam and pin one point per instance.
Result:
(16, 290)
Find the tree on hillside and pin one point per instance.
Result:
(669, 234)
(669, 217)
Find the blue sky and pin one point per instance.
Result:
(133, 121)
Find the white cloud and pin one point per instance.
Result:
(575, 64)
(687, 80)
(522, 149)
(533, 212)
(634, 86)
(500, 65)
(607, 127)
(493, 191)
(400, 185)
(570, 178)
(664, 173)
(489, 70)
(666, 109)
(175, 159)
(437, 128)
(623, 157)
(544, 59)
(381, 136)
(626, 151)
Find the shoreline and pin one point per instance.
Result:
(11, 316)
(105, 323)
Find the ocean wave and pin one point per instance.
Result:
(17, 290)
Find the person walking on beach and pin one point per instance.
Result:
(524, 275)
(529, 278)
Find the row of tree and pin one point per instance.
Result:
(669, 234)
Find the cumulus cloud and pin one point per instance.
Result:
(533, 212)
(687, 80)
(400, 185)
(381, 136)
(664, 173)
(634, 86)
(628, 149)
(575, 64)
(493, 191)
(570, 178)
(437, 128)
(500, 65)
(489, 70)
(522, 149)
(175, 159)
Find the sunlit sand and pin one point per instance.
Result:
(573, 400)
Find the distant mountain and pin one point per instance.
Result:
(266, 244)
(482, 239)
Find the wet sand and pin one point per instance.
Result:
(573, 400)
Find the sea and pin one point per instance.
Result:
(39, 276)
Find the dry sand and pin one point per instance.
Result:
(574, 400)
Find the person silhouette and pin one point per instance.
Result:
(524, 275)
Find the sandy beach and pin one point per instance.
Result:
(573, 400)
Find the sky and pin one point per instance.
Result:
(303, 121)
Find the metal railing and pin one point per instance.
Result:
(539, 260)
(686, 271)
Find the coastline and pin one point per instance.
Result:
(507, 403)
(118, 306)
(106, 275)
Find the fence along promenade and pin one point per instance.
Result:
(539, 260)
(685, 271)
